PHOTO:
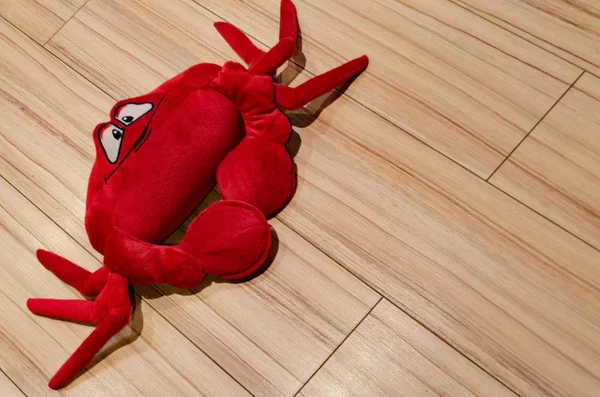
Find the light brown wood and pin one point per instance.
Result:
(567, 28)
(150, 358)
(461, 84)
(490, 276)
(155, 39)
(556, 170)
(280, 325)
(272, 333)
(507, 288)
(494, 279)
(390, 354)
(7, 388)
(44, 101)
(39, 19)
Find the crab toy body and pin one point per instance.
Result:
(157, 159)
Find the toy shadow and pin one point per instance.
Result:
(128, 335)
(300, 118)
(306, 116)
(160, 290)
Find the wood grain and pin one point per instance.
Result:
(390, 354)
(39, 19)
(449, 77)
(155, 39)
(556, 170)
(506, 287)
(567, 28)
(149, 358)
(7, 388)
(43, 101)
(272, 332)
(498, 282)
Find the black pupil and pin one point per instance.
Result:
(127, 119)
(117, 134)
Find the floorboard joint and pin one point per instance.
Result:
(534, 127)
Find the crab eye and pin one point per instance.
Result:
(130, 112)
(111, 138)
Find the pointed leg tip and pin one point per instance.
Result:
(41, 253)
(55, 384)
(35, 305)
(44, 257)
(363, 61)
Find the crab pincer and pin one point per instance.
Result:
(159, 155)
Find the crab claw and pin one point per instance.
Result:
(229, 239)
(110, 311)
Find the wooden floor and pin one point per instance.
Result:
(445, 234)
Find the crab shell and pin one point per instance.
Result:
(157, 157)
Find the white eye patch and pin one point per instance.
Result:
(130, 112)
(111, 138)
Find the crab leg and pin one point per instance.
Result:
(273, 59)
(239, 42)
(260, 62)
(63, 309)
(288, 24)
(296, 97)
(89, 284)
(111, 311)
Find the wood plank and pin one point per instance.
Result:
(155, 40)
(149, 358)
(44, 100)
(390, 354)
(497, 281)
(567, 28)
(39, 19)
(461, 84)
(556, 170)
(512, 291)
(279, 326)
(271, 333)
(7, 388)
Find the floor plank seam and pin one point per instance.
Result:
(65, 23)
(546, 218)
(58, 59)
(142, 298)
(365, 107)
(535, 126)
(476, 364)
(347, 96)
(314, 244)
(136, 293)
(339, 345)
(459, 4)
(13, 382)
(384, 296)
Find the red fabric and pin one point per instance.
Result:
(258, 172)
(230, 239)
(111, 311)
(159, 155)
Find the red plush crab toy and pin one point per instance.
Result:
(157, 159)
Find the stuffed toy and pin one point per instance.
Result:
(158, 158)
